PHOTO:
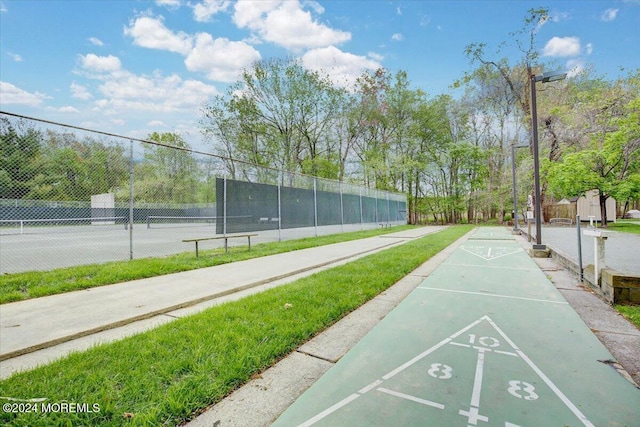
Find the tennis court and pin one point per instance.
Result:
(55, 246)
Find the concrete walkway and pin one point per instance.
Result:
(39, 330)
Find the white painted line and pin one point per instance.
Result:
(488, 256)
(412, 398)
(330, 410)
(370, 387)
(492, 266)
(415, 359)
(491, 295)
(546, 379)
(477, 381)
(431, 350)
(460, 344)
(507, 353)
(473, 414)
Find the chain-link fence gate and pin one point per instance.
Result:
(71, 196)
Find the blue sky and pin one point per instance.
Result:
(135, 67)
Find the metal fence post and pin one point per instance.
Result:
(388, 211)
(224, 206)
(361, 220)
(341, 207)
(279, 214)
(131, 199)
(578, 226)
(315, 205)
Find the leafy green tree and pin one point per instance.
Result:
(611, 162)
(168, 173)
(19, 158)
(71, 168)
(280, 115)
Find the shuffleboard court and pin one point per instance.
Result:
(485, 340)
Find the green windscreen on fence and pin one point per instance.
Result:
(248, 206)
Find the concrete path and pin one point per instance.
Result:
(486, 339)
(62, 320)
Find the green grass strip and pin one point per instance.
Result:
(625, 226)
(168, 375)
(21, 286)
(631, 312)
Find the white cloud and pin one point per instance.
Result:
(609, 15)
(169, 4)
(100, 64)
(80, 92)
(589, 48)
(3, 7)
(574, 67)
(128, 91)
(285, 23)
(317, 7)
(96, 41)
(558, 16)
(66, 109)
(342, 68)
(15, 56)
(562, 46)
(397, 37)
(375, 56)
(425, 20)
(202, 12)
(10, 94)
(220, 59)
(156, 124)
(152, 33)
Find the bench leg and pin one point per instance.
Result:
(196, 249)
(226, 247)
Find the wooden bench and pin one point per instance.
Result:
(561, 221)
(226, 240)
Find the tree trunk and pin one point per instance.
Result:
(603, 208)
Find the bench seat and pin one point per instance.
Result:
(226, 238)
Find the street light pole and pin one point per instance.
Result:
(546, 77)
(515, 192)
(536, 164)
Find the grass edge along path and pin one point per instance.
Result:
(170, 374)
(631, 312)
(34, 284)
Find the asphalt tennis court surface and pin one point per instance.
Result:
(485, 340)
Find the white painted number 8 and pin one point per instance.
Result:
(440, 371)
(527, 389)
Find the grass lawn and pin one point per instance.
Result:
(627, 226)
(21, 286)
(631, 312)
(168, 375)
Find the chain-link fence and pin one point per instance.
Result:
(72, 196)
